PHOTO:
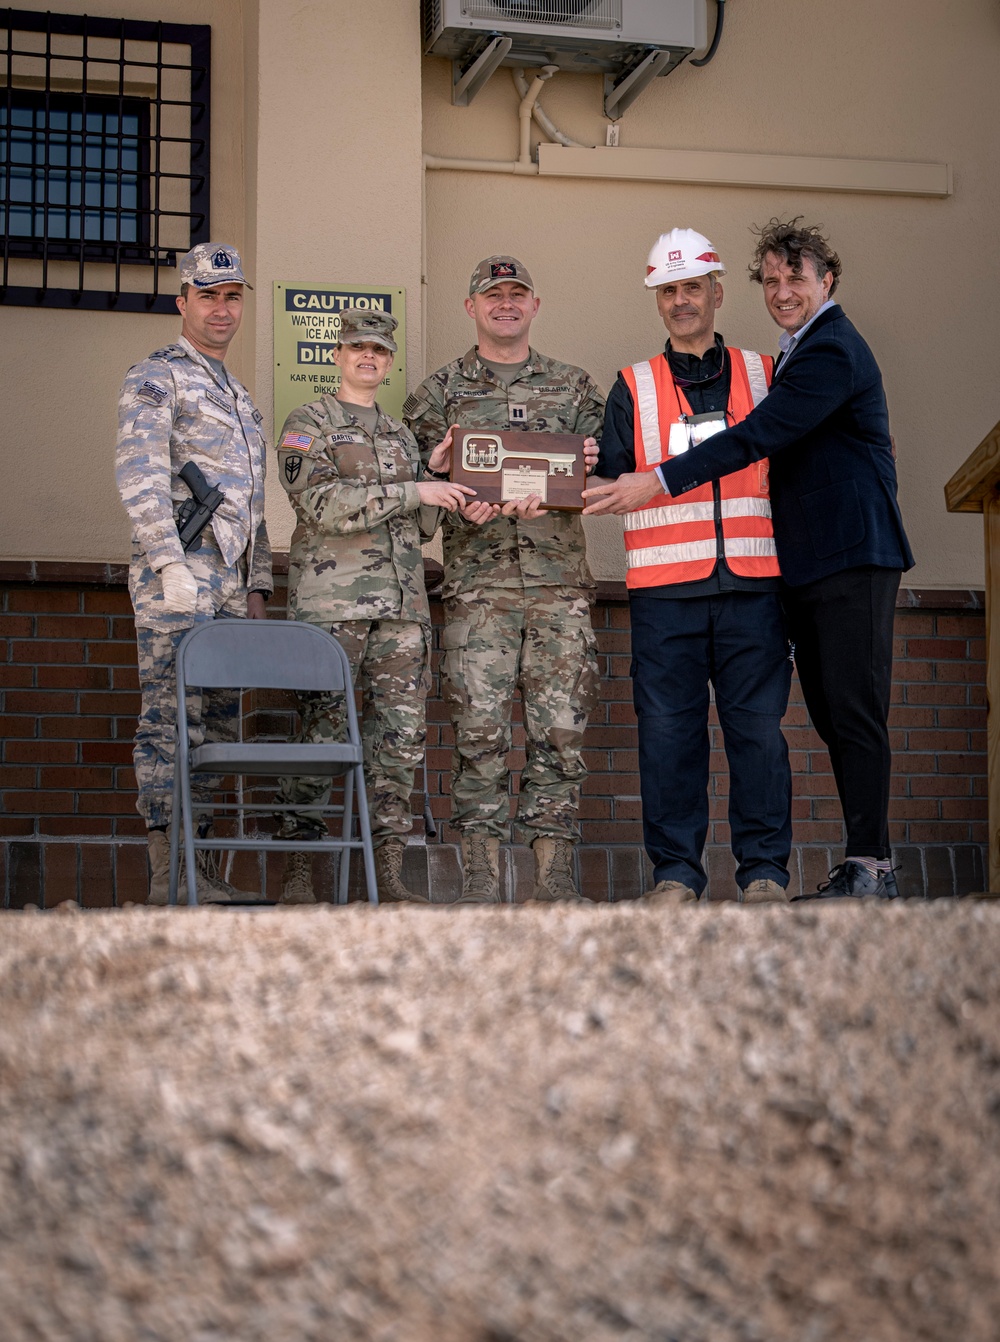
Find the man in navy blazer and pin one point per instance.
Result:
(824, 428)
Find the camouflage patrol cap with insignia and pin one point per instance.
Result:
(359, 326)
(212, 263)
(499, 270)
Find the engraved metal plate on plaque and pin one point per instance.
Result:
(505, 466)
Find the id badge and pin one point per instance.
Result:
(701, 427)
(694, 429)
(678, 443)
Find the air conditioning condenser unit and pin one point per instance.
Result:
(612, 37)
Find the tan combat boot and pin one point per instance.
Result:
(764, 892)
(296, 879)
(670, 892)
(389, 875)
(209, 885)
(211, 888)
(158, 852)
(554, 871)
(480, 869)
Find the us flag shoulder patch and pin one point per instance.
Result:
(301, 442)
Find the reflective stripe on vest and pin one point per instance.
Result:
(674, 540)
(756, 375)
(647, 411)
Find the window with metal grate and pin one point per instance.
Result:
(104, 158)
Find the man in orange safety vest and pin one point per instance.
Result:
(703, 585)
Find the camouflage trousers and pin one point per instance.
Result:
(212, 715)
(540, 641)
(389, 660)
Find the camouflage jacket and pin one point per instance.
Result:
(174, 409)
(355, 552)
(508, 552)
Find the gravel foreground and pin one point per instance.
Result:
(501, 1125)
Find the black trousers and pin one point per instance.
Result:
(842, 629)
(737, 643)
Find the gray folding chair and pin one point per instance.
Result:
(267, 654)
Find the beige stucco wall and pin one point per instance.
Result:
(62, 369)
(336, 154)
(317, 136)
(316, 174)
(901, 79)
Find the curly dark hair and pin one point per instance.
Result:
(791, 243)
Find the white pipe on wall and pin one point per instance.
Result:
(526, 108)
(480, 165)
(523, 163)
(557, 136)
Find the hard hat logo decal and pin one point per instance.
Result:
(681, 254)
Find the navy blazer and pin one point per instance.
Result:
(825, 427)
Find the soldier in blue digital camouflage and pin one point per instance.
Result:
(362, 504)
(182, 405)
(517, 594)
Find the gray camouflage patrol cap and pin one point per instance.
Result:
(358, 326)
(499, 270)
(212, 263)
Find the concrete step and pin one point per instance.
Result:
(44, 871)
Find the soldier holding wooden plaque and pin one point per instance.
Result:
(517, 589)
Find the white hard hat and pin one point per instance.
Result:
(681, 254)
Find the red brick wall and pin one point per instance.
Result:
(69, 698)
(937, 728)
(68, 702)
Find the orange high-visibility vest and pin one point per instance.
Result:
(674, 540)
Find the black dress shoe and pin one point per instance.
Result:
(852, 881)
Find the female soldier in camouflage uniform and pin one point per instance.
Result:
(355, 568)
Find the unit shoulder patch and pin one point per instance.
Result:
(152, 393)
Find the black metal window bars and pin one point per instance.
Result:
(104, 158)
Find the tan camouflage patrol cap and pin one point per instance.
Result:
(499, 270)
(358, 326)
(212, 263)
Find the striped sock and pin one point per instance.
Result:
(875, 866)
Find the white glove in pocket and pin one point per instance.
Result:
(180, 589)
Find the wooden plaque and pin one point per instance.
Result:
(505, 466)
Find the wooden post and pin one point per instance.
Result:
(974, 488)
(991, 538)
